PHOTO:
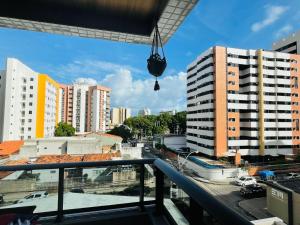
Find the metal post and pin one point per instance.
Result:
(142, 186)
(159, 191)
(60, 199)
(196, 213)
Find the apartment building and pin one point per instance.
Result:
(85, 107)
(98, 115)
(28, 103)
(47, 106)
(290, 44)
(119, 115)
(144, 112)
(243, 101)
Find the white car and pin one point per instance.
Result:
(245, 180)
(292, 176)
(33, 196)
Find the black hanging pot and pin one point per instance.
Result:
(156, 63)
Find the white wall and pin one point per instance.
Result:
(213, 174)
(80, 147)
(174, 142)
(131, 152)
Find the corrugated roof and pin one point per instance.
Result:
(10, 147)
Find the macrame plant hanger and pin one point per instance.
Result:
(156, 64)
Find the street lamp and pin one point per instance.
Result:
(180, 165)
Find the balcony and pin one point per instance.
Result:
(149, 203)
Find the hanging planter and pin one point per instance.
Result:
(156, 63)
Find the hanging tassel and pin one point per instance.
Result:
(156, 86)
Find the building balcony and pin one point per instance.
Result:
(110, 192)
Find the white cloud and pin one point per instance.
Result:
(137, 94)
(128, 89)
(90, 68)
(273, 13)
(83, 80)
(284, 30)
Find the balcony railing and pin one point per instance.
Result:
(200, 200)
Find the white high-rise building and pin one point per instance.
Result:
(28, 103)
(80, 105)
(98, 115)
(18, 101)
(144, 112)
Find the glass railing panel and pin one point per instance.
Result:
(149, 182)
(101, 186)
(177, 202)
(37, 188)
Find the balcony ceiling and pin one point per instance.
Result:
(118, 20)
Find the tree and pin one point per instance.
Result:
(122, 131)
(161, 124)
(64, 130)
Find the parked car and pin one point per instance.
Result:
(245, 180)
(147, 149)
(77, 190)
(253, 191)
(292, 176)
(33, 196)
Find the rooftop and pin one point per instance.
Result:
(10, 147)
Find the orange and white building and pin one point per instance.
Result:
(29, 103)
(85, 107)
(32, 104)
(243, 102)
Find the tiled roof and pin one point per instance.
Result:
(109, 135)
(10, 147)
(100, 157)
(12, 163)
(45, 159)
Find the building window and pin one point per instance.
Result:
(31, 79)
(24, 80)
(232, 119)
(30, 112)
(29, 120)
(30, 103)
(31, 87)
(31, 95)
(231, 128)
(29, 128)
(29, 137)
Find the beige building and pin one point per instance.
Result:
(119, 115)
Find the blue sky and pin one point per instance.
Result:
(235, 23)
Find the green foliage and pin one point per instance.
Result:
(122, 131)
(64, 130)
(143, 126)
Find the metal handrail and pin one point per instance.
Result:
(200, 199)
(76, 164)
(205, 200)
